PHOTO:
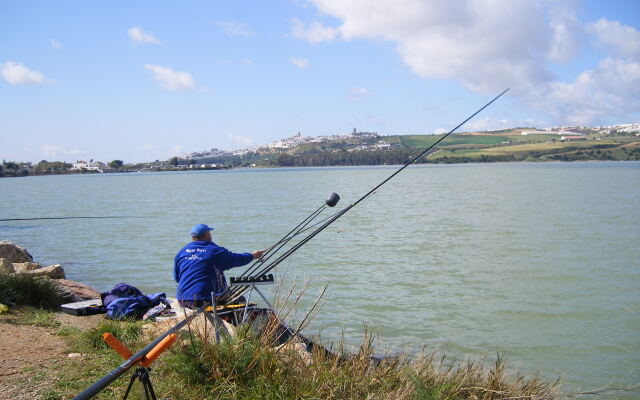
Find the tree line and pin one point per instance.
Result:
(342, 158)
(44, 167)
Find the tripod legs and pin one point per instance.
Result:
(141, 374)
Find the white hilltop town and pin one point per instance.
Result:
(282, 144)
(565, 132)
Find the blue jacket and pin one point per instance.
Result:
(199, 269)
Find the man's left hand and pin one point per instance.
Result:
(257, 254)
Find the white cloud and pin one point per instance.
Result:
(53, 152)
(488, 46)
(612, 88)
(240, 140)
(233, 28)
(247, 62)
(567, 34)
(314, 33)
(170, 79)
(357, 93)
(148, 147)
(55, 44)
(299, 62)
(17, 74)
(137, 35)
(624, 39)
(485, 124)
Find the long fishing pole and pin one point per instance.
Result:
(343, 211)
(132, 361)
(285, 239)
(47, 218)
(331, 201)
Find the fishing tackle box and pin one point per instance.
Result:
(82, 308)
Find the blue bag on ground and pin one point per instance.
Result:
(126, 301)
(118, 291)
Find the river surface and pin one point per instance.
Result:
(539, 262)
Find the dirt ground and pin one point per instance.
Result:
(27, 352)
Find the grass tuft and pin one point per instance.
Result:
(128, 332)
(23, 289)
(249, 366)
(33, 316)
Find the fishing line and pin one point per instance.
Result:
(281, 243)
(49, 218)
(285, 239)
(273, 264)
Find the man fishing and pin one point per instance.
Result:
(199, 267)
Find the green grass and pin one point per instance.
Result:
(422, 141)
(519, 148)
(532, 138)
(474, 139)
(24, 289)
(33, 316)
(247, 366)
(128, 332)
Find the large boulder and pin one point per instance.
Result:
(25, 267)
(6, 266)
(52, 271)
(74, 291)
(14, 253)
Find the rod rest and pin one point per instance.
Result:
(265, 279)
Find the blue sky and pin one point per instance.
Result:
(146, 80)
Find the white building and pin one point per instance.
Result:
(88, 166)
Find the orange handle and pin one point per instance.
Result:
(159, 349)
(117, 345)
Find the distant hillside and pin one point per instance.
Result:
(518, 144)
(500, 146)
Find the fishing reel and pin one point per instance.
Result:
(332, 200)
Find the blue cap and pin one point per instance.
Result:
(199, 229)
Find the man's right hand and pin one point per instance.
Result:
(257, 254)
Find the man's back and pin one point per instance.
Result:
(199, 269)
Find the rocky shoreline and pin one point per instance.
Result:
(15, 259)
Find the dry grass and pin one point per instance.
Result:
(253, 364)
(249, 366)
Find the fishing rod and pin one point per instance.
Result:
(331, 201)
(49, 218)
(230, 295)
(285, 239)
(133, 360)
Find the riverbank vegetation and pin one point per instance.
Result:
(249, 367)
(244, 366)
(21, 289)
(50, 355)
(497, 146)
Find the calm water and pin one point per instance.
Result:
(540, 262)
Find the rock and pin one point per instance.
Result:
(24, 267)
(74, 291)
(52, 271)
(297, 350)
(14, 253)
(6, 266)
(74, 355)
(200, 327)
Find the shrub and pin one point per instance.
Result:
(22, 289)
